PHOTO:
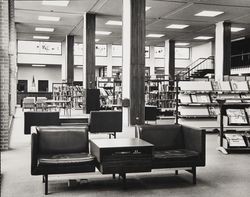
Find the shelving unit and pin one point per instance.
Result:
(235, 141)
(159, 93)
(111, 91)
(197, 101)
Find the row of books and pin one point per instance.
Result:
(237, 140)
(238, 116)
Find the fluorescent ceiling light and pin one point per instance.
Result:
(97, 40)
(236, 29)
(110, 22)
(238, 39)
(46, 29)
(48, 18)
(181, 44)
(203, 37)
(177, 26)
(155, 35)
(79, 66)
(103, 32)
(207, 13)
(38, 65)
(41, 37)
(56, 3)
(147, 8)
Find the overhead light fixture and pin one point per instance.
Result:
(177, 26)
(207, 13)
(38, 65)
(41, 37)
(203, 37)
(103, 32)
(237, 29)
(155, 35)
(97, 40)
(46, 29)
(181, 44)
(110, 22)
(79, 66)
(238, 39)
(48, 18)
(56, 3)
(147, 8)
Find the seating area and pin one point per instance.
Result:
(58, 149)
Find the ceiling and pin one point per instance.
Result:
(161, 14)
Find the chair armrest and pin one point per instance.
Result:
(195, 139)
(34, 153)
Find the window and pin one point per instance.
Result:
(182, 53)
(159, 52)
(22, 85)
(116, 51)
(33, 47)
(101, 50)
(43, 85)
(78, 50)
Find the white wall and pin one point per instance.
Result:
(202, 51)
(50, 73)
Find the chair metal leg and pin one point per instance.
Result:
(194, 175)
(43, 178)
(46, 184)
(176, 172)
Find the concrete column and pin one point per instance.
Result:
(70, 58)
(89, 51)
(133, 61)
(170, 58)
(222, 50)
(4, 75)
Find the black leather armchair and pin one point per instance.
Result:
(105, 122)
(175, 146)
(60, 150)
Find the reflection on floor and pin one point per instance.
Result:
(224, 175)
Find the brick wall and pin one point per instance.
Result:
(4, 75)
(12, 58)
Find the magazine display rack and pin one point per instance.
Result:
(197, 101)
(237, 114)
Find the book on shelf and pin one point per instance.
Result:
(235, 140)
(230, 98)
(239, 86)
(200, 98)
(194, 111)
(236, 117)
(214, 110)
(221, 86)
(245, 96)
(184, 98)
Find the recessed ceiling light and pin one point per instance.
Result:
(103, 32)
(207, 13)
(48, 18)
(181, 44)
(56, 3)
(97, 40)
(203, 37)
(236, 29)
(110, 22)
(46, 29)
(155, 35)
(177, 26)
(238, 39)
(38, 65)
(147, 8)
(41, 37)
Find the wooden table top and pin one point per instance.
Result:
(120, 143)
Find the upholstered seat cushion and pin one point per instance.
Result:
(66, 159)
(175, 155)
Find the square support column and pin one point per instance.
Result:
(222, 50)
(89, 50)
(133, 81)
(70, 58)
(170, 58)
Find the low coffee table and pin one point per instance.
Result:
(121, 156)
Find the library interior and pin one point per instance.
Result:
(125, 98)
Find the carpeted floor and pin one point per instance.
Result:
(224, 175)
